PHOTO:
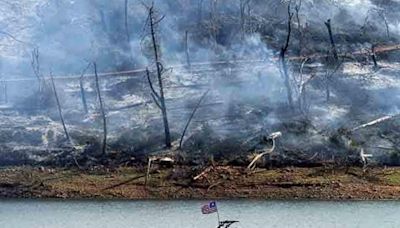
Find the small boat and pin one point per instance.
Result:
(226, 223)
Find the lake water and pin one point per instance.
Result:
(186, 214)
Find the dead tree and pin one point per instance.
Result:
(59, 108)
(159, 97)
(103, 114)
(284, 67)
(191, 117)
(333, 45)
(82, 90)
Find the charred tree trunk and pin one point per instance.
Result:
(284, 68)
(160, 97)
(103, 114)
(59, 108)
(333, 45)
(373, 56)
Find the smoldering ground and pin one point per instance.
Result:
(239, 43)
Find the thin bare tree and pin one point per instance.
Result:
(103, 114)
(283, 63)
(60, 113)
(333, 45)
(158, 96)
(191, 117)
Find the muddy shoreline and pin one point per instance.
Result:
(221, 182)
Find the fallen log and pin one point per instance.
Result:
(375, 122)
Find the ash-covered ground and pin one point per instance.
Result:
(221, 67)
(229, 124)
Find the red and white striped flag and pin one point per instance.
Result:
(209, 208)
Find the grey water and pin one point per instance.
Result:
(186, 214)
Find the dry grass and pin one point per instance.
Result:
(222, 182)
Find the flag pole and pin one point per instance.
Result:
(219, 221)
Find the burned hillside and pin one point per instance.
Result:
(88, 83)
